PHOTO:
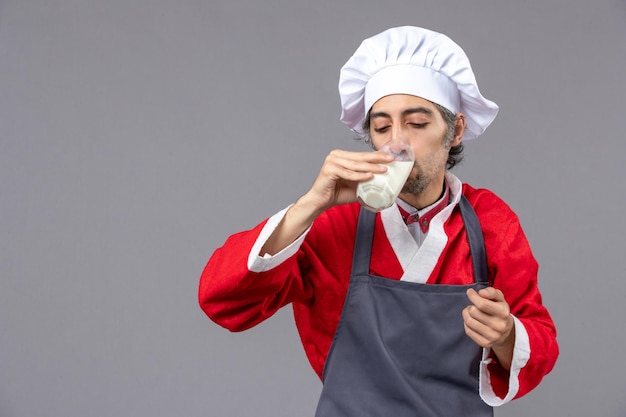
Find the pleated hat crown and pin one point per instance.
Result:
(415, 61)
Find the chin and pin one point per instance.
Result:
(414, 187)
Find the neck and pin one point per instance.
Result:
(427, 197)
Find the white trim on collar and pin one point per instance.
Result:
(418, 262)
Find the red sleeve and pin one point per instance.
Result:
(236, 298)
(513, 270)
(315, 280)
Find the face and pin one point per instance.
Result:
(419, 123)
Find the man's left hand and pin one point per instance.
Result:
(489, 323)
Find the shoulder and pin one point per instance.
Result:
(499, 223)
(338, 221)
(488, 206)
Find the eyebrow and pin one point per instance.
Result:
(405, 113)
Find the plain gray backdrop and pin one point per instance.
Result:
(137, 135)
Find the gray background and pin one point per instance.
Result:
(137, 135)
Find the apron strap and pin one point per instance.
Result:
(363, 242)
(475, 239)
(365, 236)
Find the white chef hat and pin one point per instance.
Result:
(415, 61)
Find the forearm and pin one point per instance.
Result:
(296, 221)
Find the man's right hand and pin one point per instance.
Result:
(342, 170)
(335, 184)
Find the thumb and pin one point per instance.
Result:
(491, 293)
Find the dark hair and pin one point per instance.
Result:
(455, 155)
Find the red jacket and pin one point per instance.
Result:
(315, 281)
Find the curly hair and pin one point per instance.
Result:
(455, 155)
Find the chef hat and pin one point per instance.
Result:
(415, 61)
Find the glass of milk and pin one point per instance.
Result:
(381, 191)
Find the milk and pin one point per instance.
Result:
(381, 191)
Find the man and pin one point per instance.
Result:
(427, 308)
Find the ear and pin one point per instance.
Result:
(459, 129)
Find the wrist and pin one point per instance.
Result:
(306, 208)
(503, 349)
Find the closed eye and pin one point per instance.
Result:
(381, 129)
(418, 125)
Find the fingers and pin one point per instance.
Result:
(355, 166)
(481, 335)
(370, 156)
(340, 174)
(489, 300)
(485, 330)
(487, 320)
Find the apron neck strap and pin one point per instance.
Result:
(365, 236)
(363, 242)
(475, 239)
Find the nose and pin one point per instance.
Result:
(399, 133)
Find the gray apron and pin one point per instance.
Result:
(400, 349)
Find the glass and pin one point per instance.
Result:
(381, 191)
